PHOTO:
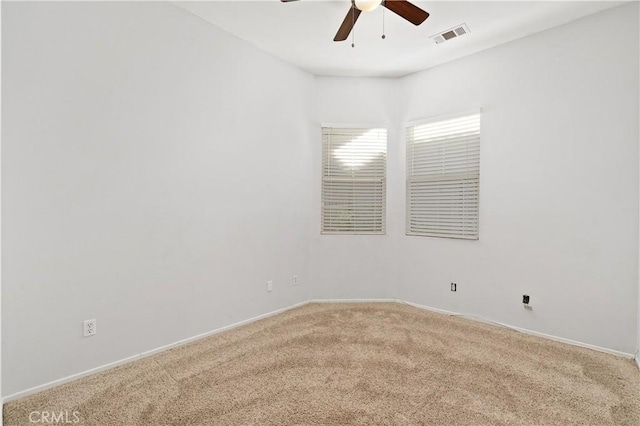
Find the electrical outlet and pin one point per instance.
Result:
(295, 280)
(89, 328)
(454, 287)
(525, 299)
(269, 285)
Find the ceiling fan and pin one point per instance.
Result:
(404, 9)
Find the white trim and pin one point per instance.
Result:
(127, 360)
(441, 117)
(356, 301)
(637, 361)
(526, 331)
(355, 125)
(145, 354)
(1, 405)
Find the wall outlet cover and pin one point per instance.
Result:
(89, 328)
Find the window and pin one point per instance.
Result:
(443, 177)
(354, 184)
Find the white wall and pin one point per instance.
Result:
(638, 341)
(1, 409)
(559, 186)
(155, 175)
(157, 171)
(344, 266)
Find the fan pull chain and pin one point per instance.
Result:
(383, 36)
(353, 26)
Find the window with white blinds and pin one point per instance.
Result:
(443, 177)
(354, 187)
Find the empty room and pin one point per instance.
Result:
(304, 212)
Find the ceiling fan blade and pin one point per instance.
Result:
(408, 11)
(347, 24)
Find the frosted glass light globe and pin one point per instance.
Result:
(367, 5)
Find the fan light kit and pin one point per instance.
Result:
(367, 5)
(402, 8)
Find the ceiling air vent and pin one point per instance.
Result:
(457, 31)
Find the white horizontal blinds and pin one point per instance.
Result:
(443, 176)
(353, 180)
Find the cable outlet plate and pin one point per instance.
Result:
(89, 328)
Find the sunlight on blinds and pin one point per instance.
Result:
(353, 180)
(443, 178)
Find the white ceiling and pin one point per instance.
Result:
(302, 32)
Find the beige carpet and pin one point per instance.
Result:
(355, 364)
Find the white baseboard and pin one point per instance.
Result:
(526, 331)
(145, 354)
(127, 360)
(355, 301)
(637, 361)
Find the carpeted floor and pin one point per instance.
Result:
(355, 364)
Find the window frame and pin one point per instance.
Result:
(367, 126)
(430, 120)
